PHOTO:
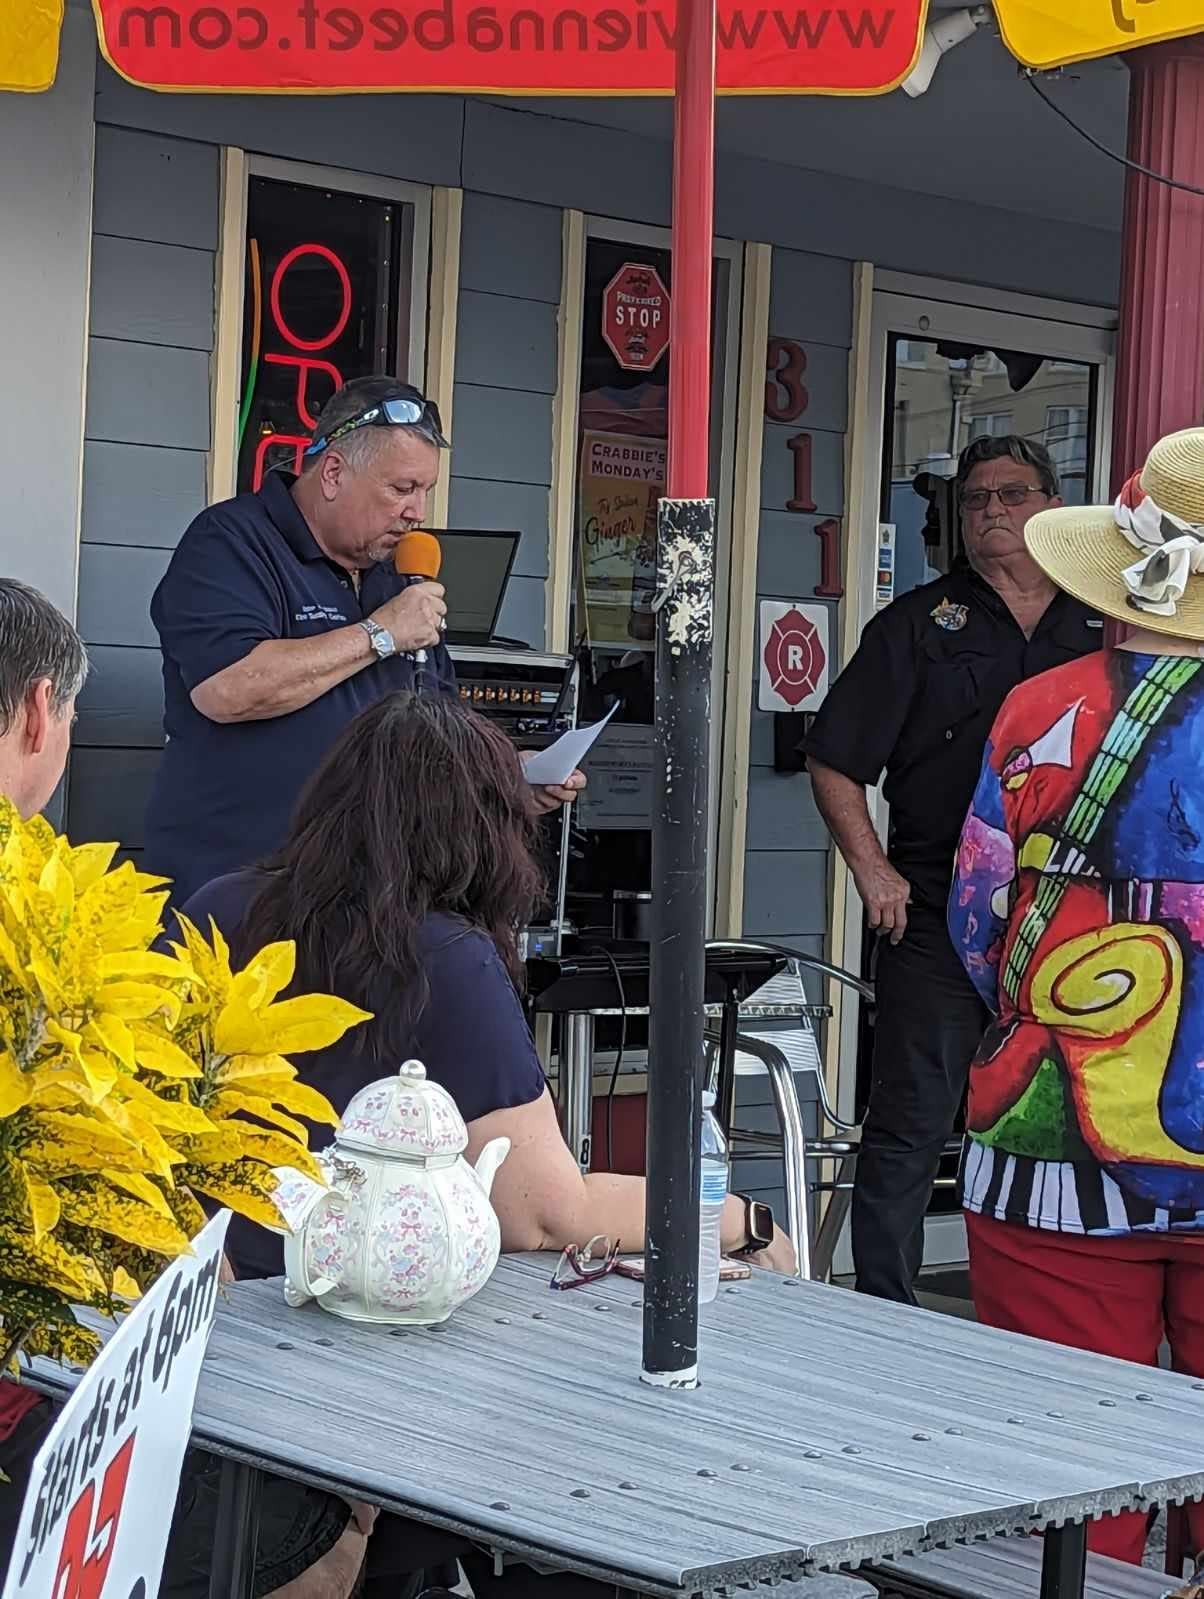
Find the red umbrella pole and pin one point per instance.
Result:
(684, 576)
(693, 231)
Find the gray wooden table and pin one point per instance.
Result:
(829, 1430)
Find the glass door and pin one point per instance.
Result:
(943, 374)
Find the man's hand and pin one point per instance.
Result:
(415, 616)
(885, 896)
(551, 796)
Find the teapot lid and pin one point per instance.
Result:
(404, 1115)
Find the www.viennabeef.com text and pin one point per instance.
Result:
(448, 25)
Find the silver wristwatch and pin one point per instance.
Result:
(381, 639)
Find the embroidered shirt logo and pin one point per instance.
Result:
(950, 616)
(319, 613)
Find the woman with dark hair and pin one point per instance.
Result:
(405, 878)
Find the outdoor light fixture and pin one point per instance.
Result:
(939, 36)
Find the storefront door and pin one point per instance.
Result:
(943, 373)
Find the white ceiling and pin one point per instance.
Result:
(980, 133)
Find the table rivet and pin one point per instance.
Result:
(707, 1472)
(601, 1307)
(1199, 1385)
(813, 1454)
(629, 1487)
(502, 1321)
(1144, 1399)
(324, 1343)
(922, 1437)
(731, 1290)
(500, 1504)
(741, 1468)
(792, 1282)
(953, 1432)
(637, 1304)
(1055, 1415)
(1015, 1421)
(580, 1493)
(286, 1346)
(539, 1316)
(850, 1449)
(1108, 1404)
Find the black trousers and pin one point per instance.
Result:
(928, 1023)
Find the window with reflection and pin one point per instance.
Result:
(940, 396)
(622, 450)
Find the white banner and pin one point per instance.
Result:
(103, 1488)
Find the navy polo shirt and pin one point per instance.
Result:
(468, 1030)
(247, 570)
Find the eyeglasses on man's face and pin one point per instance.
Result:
(1011, 494)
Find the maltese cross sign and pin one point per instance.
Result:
(794, 656)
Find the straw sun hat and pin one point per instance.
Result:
(1142, 559)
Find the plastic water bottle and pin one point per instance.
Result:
(713, 1194)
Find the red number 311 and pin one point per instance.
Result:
(88, 1544)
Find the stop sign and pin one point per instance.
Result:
(635, 317)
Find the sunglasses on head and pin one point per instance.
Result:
(399, 411)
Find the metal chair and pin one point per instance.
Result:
(790, 1144)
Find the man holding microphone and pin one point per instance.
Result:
(281, 617)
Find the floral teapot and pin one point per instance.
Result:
(405, 1232)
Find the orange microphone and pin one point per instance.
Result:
(419, 555)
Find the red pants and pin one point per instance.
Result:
(1116, 1296)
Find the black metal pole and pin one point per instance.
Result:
(685, 585)
(1064, 1561)
(232, 1575)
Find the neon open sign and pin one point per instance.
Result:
(322, 308)
(302, 354)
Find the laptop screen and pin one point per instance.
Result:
(475, 571)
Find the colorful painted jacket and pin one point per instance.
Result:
(1078, 910)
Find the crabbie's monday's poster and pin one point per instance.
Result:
(103, 1487)
(621, 479)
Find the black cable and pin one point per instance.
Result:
(1113, 155)
(614, 1076)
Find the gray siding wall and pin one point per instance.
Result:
(146, 434)
(505, 380)
(786, 864)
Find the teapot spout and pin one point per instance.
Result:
(488, 1161)
(296, 1197)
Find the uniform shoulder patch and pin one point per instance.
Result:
(950, 616)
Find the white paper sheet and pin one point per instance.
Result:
(560, 760)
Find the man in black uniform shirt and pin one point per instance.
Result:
(917, 700)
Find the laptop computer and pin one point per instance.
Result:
(475, 571)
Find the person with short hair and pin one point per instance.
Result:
(43, 665)
(281, 618)
(311, 1544)
(1078, 912)
(917, 701)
